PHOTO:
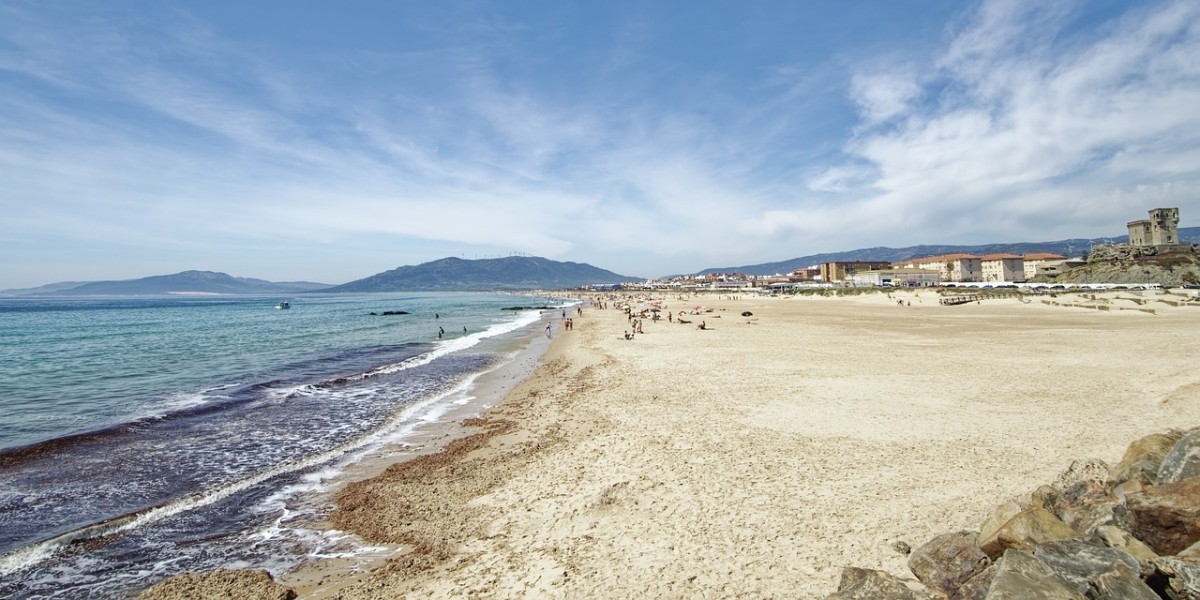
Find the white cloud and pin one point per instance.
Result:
(881, 96)
(1030, 123)
(1024, 124)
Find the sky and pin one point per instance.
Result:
(321, 141)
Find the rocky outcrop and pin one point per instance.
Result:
(1166, 517)
(1182, 461)
(1025, 531)
(1020, 576)
(948, 561)
(1144, 458)
(219, 585)
(1129, 532)
(865, 584)
(1123, 264)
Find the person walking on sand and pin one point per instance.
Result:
(547, 330)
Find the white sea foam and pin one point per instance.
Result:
(184, 400)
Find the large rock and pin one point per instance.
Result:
(1191, 554)
(1144, 457)
(866, 584)
(1086, 505)
(1181, 578)
(976, 588)
(1081, 563)
(1027, 529)
(1021, 576)
(948, 560)
(1182, 461)
(1006, 512)
(1166, 517)
(1121, 583)
(1115, 537)
(219, 585)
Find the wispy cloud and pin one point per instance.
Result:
(1025, 122)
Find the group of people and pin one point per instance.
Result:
(441, 330)
(646, 308)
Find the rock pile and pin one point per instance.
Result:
(1128, 532)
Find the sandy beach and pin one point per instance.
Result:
(758, 457)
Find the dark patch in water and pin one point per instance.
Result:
(88, 486)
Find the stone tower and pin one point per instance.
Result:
(1161, 229)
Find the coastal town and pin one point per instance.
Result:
(1159, 233)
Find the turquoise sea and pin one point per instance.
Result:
(143, 437)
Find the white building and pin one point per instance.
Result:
(897, 277)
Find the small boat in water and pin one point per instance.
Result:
(283, 304)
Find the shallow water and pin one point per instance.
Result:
(145, 437)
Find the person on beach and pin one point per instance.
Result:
(703, 325)
(547, 330)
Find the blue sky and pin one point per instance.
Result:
(323, 141)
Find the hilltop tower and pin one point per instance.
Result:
(1161, 229)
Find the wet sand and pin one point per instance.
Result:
(759, 457)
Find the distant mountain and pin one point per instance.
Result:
(1069, 248)
(187, 282)
(510, 273)
(43, 290)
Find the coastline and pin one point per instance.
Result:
(321, 578)
(759, 457)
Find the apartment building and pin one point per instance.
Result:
(953, 267)
(1003, 267)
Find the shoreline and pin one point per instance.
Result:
(321, 578)
(760, 456)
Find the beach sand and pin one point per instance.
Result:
(758, 458)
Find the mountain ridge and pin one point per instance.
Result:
(184, 282)
(489, 274)
(523, 272)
